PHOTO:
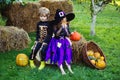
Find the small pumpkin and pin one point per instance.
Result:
(102, 58)
(75, 36)
(90, 53)
(92, 61)
(101, 64)
(22, 59)
(97, 54)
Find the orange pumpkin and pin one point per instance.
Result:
(75, 36)
(97, 54)
(22, 59)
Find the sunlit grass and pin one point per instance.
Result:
(117, 2)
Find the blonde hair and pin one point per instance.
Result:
(44, 10)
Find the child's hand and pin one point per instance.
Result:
(44, 43)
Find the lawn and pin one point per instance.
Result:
(107, 37)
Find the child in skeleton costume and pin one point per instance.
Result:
(43, 36)
(60, 47)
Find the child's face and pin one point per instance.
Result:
(43, 17)
(64, 20)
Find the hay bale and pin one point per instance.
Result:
(77, 49)
(26, 16)
(12, 38)
(21, 16)
(53, 5)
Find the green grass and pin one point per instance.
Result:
(107, 37)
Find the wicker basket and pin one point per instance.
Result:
(94, 47)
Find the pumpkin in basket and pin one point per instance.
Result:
(93, 55)
(75, 36)
(93, 61)
(22, 59)
(96, 59)
(90, 53)
(97, 55)
(102, 58)
(100, 64)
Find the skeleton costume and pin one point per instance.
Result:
(43, 34)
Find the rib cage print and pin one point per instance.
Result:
(43, 32)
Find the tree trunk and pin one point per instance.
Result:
(96, 7)
(92, 32)
(93, 15)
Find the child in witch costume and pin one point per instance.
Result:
(43, 36)
(60, 46)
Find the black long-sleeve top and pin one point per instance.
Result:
(44, 31)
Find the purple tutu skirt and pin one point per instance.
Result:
(59, 50)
